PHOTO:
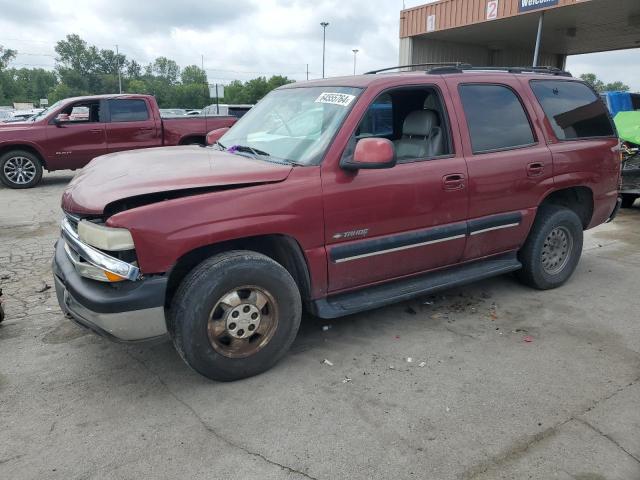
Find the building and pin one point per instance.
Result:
(506, 32)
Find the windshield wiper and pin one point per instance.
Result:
(248, 149)
(260, 153)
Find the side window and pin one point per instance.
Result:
(378, 121)
(573, 110)
(495, 117)
(414, 118)
(84, 112)
(128, 110)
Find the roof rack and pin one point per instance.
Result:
(437, 65)
(444, 68)
(465, 67)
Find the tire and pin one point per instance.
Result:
(628, 200)
(202, 313)
(20, 169)
(555, 230)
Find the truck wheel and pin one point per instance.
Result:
(628, 200)
(20, 169)
(553, 248)
(235, 315)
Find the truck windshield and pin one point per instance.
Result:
(293, 124)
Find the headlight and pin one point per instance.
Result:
(105, 238)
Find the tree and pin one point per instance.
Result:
(166, 70)
(253, 90)
(6, 56)
(193, 74)
(599, 86)
(616, 87)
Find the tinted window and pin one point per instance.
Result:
(573, 109)
(128, 110)
(495, 117)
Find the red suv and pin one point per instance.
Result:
(337, 196)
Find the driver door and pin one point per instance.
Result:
(78, 137)
(390, 223)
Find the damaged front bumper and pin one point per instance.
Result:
(126, 311)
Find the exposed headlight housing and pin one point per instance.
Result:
(105, 238)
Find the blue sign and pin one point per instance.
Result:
(528, 5)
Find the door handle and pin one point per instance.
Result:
(453, 181)
(145, 129)
(535, 169)
(96, 130)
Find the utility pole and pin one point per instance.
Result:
(307, 71)
(355, 52)
(206, 83)
(324, 41)
(118, 64)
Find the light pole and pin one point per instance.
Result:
(324, 41)
(355, 52)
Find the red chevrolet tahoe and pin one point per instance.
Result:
(337, 196)
(73, 131)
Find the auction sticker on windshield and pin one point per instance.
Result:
(342, 99)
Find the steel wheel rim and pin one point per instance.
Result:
(556, 250)
(242, 322)
(20, 170)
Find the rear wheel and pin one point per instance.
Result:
(20, 169)
(235, 315)
(553, 248)
(628, 200)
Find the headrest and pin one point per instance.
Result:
(420, 123)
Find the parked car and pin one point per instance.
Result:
(478, 174)
(5, 115)
(628, 126)
(172, 112)
(73, 131)
(224, 109)
(22, 115)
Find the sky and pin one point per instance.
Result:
(241, 39)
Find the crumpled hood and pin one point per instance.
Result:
(121, 175)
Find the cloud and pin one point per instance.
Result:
(239, 39)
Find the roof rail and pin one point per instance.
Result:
(441, 64)
(465, 67)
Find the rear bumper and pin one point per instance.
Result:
(125, 312)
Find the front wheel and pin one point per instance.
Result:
(552, 250)
(20, 169)
(235, 315)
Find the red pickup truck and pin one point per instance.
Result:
(337, 196)
(73, 131)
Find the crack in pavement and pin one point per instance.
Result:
(584, 422)
(213, 431)
(521, 446)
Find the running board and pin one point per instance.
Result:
(406, 289)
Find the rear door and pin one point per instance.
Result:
(386, 224)
(510, 166)
(131, 125)
(583, 142)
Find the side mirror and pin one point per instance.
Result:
(214, 135)
(371, 153)
(61, 119)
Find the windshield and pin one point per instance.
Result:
(294, 124)
(40, 115)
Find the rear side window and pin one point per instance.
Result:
(495, 117)
(128, 110)
(573, 110)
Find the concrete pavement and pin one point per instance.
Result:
(485, 405)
